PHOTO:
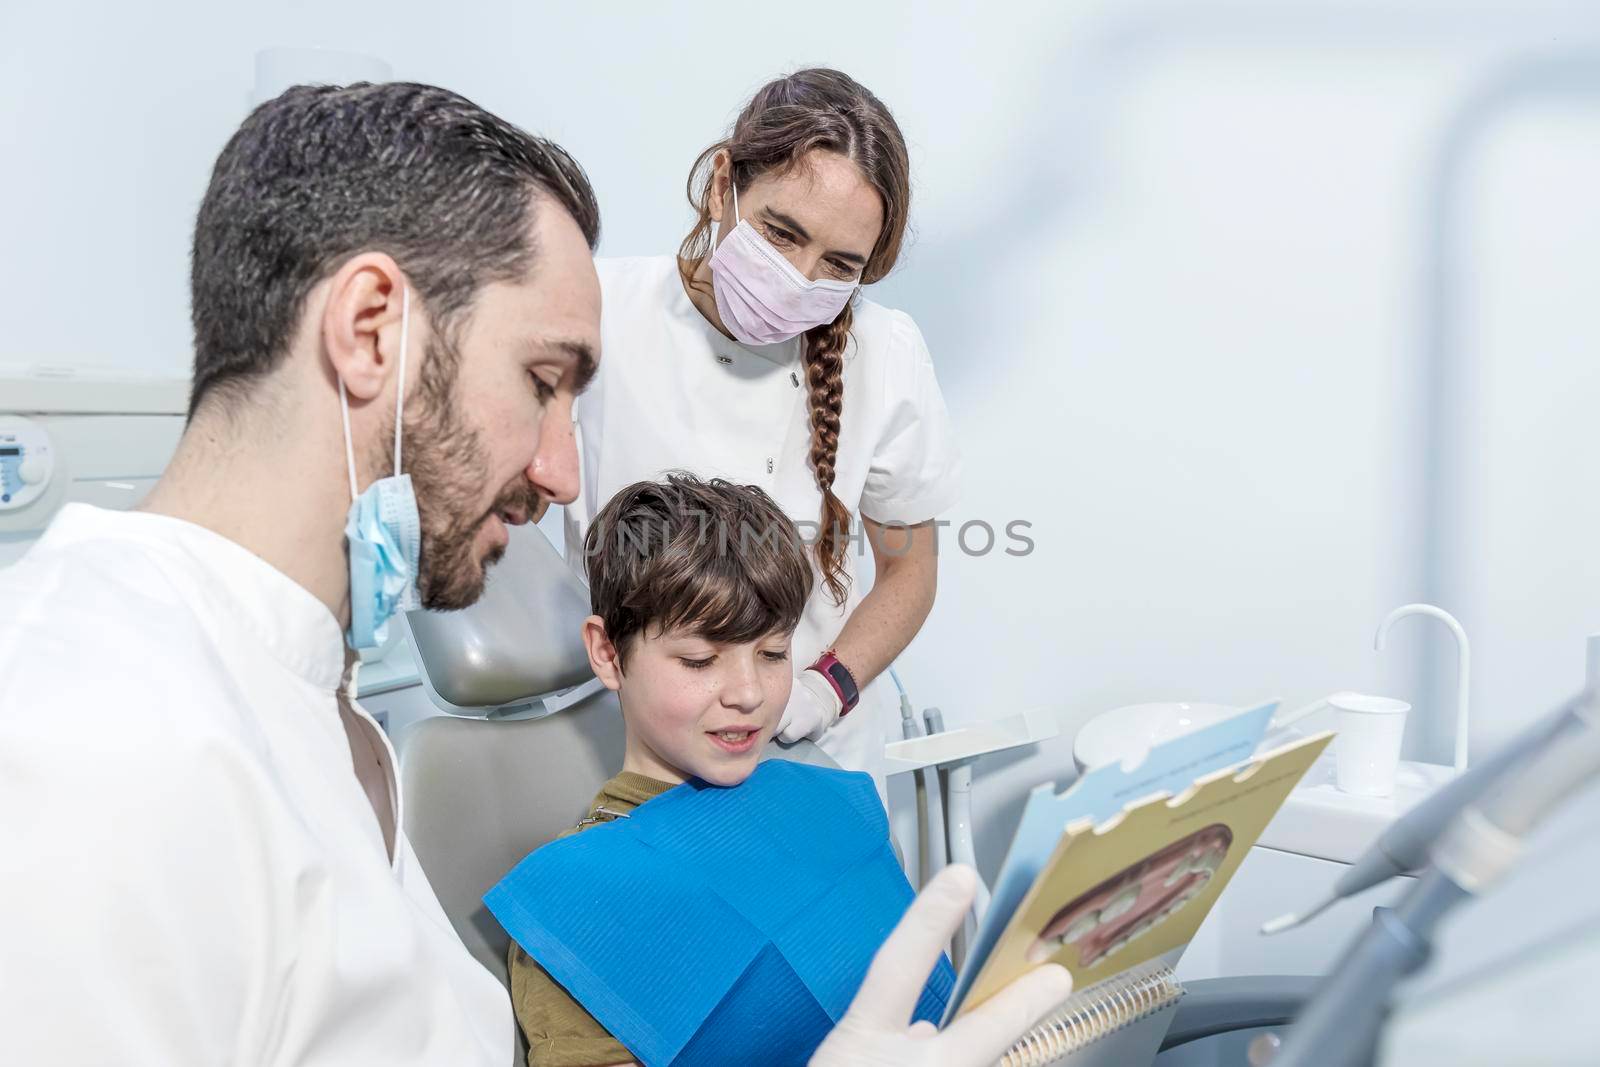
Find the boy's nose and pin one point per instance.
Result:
(742, 690)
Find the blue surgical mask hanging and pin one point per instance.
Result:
(383, 530)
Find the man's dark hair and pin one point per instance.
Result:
(716, 559)
(322, 173)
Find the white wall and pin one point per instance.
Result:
(1170, 259)
(1525, 526)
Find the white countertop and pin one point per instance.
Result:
(1319, 820)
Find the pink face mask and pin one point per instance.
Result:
(760, 295)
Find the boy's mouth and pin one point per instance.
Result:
(734, 741)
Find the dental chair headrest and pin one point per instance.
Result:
(520, 641)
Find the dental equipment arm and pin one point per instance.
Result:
(1341, 1024)
(874, 1032)
(908, 730)
(1404, 846)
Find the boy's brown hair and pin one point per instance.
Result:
(710, 557)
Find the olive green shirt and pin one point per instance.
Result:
(560, 1033)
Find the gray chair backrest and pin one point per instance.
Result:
(483, 793)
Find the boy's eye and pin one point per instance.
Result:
(695, 664)
(541, 388)
(775, 657)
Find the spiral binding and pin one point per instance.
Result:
(1094, 1013)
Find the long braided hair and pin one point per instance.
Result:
(811, 110)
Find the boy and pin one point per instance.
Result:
(696, 588)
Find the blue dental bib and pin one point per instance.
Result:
(720, 925)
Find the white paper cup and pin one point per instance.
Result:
(1368, 746)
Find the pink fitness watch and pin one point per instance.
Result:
(839, 677)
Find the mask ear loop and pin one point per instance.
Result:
(400, 393)
(349, 451)
(399, 400)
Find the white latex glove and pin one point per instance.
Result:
(813, 707)
(876, 1031)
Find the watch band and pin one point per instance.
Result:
(840, 678)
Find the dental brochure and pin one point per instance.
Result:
(1112, 878)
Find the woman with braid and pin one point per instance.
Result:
(753, 356)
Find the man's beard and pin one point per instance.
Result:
(448, 466)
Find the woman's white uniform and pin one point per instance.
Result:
(673, 393)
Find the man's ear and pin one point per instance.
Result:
(361, 324)
(603, 657)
